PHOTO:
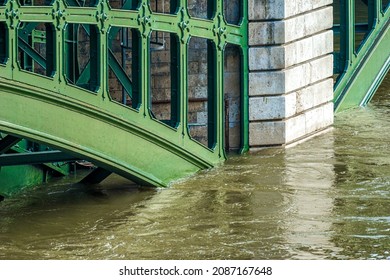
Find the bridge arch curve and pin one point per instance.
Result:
(111, 142)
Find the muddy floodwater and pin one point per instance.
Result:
(327, 198)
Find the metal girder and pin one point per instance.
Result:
(52, 166)
(96, 176)
(361, 69)
(32, 53)
(7, 142)
(34, 158)
(120, 139)
(120, 73)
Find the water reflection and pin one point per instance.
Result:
(312, 176)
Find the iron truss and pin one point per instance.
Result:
(43, 97)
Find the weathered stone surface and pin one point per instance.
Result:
(280, 9)
(314, 95)
(272, 107)
(284, 31)
(267, 133)
(284, 56)
(309, 122)
(291, 79)
(287, 131)
(291, 68)
(288, 105)
(309, 73)
(267, 83)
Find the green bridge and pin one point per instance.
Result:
(157, 90)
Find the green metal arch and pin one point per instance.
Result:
(127, 141)
(115, 144)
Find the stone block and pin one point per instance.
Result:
(267, 133)
(314, 95)
(161, 81)
(197, 80)
(319, 118)
(280, 57)
(266, 33)
(295, 128)
(267, 83)
(309, 73)
(291, 79)
(193, 68)
(267, 58)
(198, 92)
(280, 9)
(284, 31)
(272, 107)
(309, 122)
(161, 94)
(296, 7)
(290, 130)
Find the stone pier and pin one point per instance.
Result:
(290, 70)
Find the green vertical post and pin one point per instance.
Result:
(136, 68)
(217, 79)
(244, 106)
(347, 32)
(144, 26)
(60, 48)
(183, 73)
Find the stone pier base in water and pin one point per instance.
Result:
(291, 68)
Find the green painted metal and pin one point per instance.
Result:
(58, 168)
(96, 176)
(362, 69)
(34, 158)
(7, 142)
(71, 109)
(14, 178)
(15, 145)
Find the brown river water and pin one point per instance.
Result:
(327, 198)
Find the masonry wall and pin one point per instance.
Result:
(291, 68)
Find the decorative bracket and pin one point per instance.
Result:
(12, 13)
(102, 15)
(59, 14)
(144, 19)
(220, 30)
(184, 25)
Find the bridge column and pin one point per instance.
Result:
(291, 68)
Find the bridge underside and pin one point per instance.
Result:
(91, 134)
(135, 87)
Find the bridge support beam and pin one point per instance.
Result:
(291, 68)
(7, 142)
(96, 176)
